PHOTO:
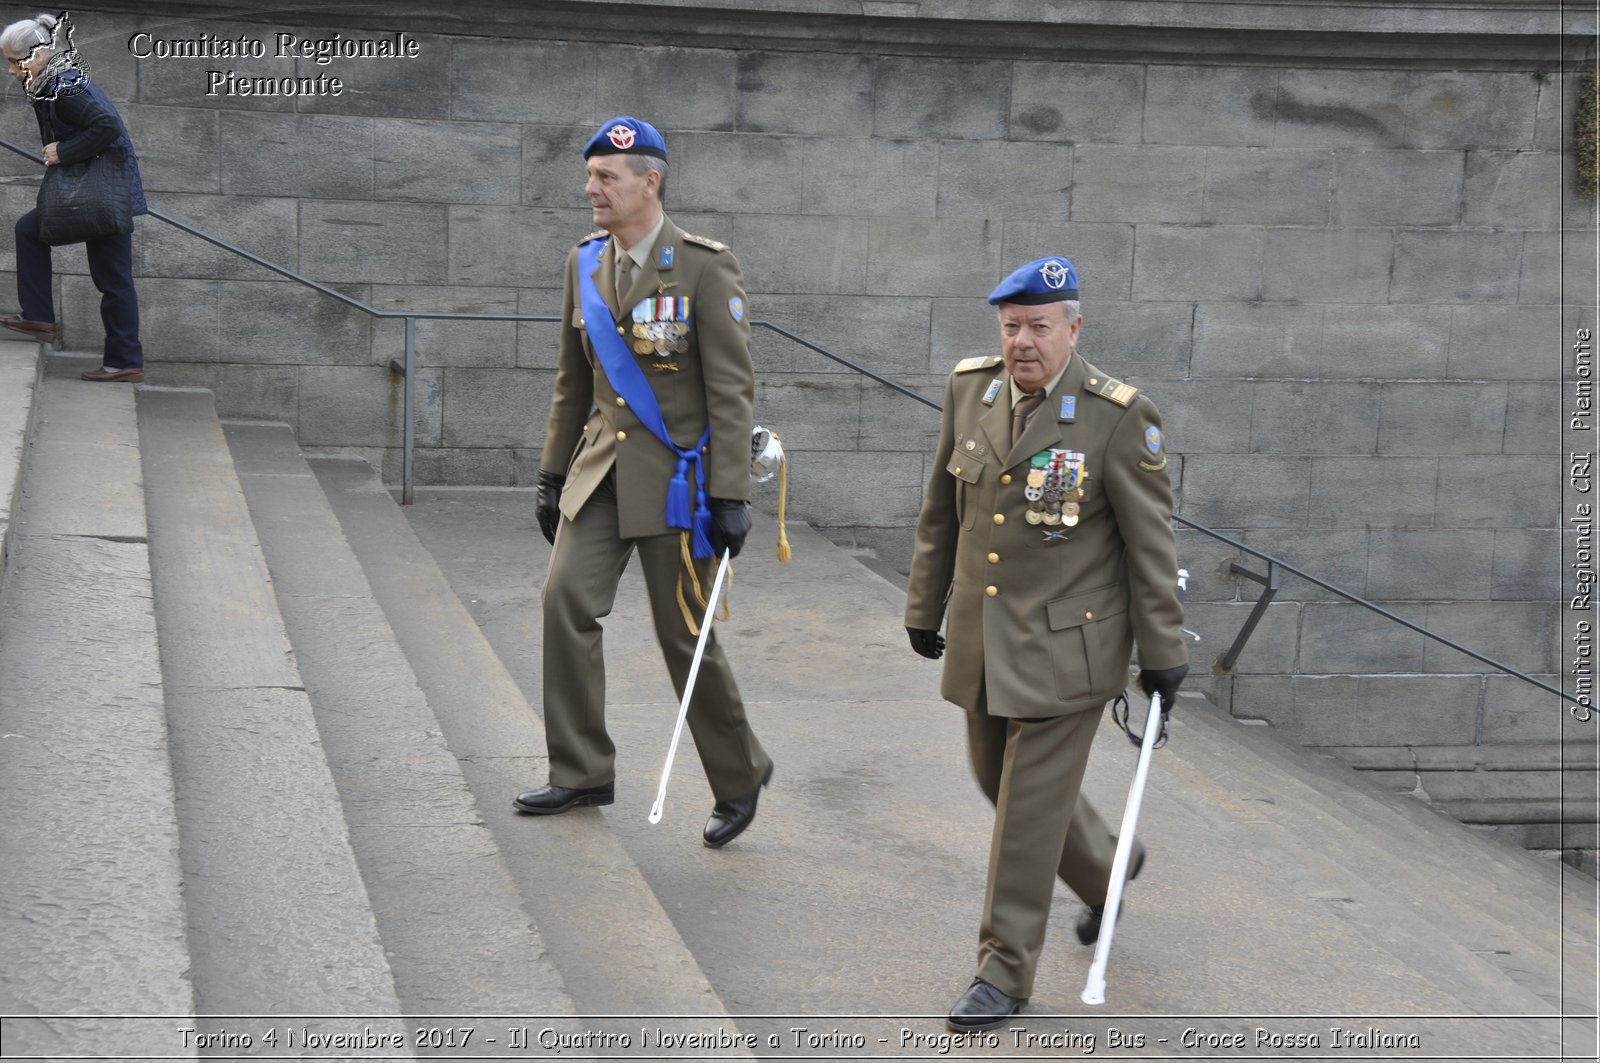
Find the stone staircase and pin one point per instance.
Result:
(260, 728)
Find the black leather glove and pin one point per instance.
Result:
(929, 644)
(1163, 681)
(730, 523)
(550, 485)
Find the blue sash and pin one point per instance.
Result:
(687, 507)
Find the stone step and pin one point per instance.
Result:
(616, 949)
(279, 920)
(20, 368)
(93, 922)
(458, 938)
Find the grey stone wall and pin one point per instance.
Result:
(1338, 244)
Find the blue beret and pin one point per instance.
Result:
(626, 136)
(1047, 280)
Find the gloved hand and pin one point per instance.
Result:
(549, 510)
(929, 644)
(730, 523)
(1163, 681)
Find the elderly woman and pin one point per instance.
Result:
(76, 122)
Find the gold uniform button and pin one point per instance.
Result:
(999, 518)
(958, 470)
(994, 559)
(621, 436)
(992, 591)
(621, 401)
(1092, 380)
(1006, 479)
(1088, 616)
(622, 332)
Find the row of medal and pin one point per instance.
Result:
(661, 329)
(1055, 487)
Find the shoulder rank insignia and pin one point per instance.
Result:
(597, 234)
(705, 241)
(967, 365)
(1116, 391)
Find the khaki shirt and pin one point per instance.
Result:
(1043, 619)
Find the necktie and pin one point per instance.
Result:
(1019, 414)
(624, 273)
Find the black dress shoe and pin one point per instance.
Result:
(549, 800)
(1089, 922)
(730, 818)
(983, 1007)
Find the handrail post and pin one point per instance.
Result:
(1270, 582)
(407, 472)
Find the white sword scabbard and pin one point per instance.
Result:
(1094, 990)
(688, 686)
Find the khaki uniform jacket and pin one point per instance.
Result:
(1046, 628)
(591, 429)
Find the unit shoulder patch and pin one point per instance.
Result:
(1116, 391)
(705, 241)
(967, 365)
(597, 234)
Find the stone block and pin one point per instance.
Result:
(887, 335)
(305, 156)
(1430, 564)
(500, 246)
(1335, 265)
(463, 466)
(395, 243)
(552, 168)
(477, 344)
(1370, 710)
(1260, 340)
(1534, 417)
(1006, 180)
(1556, 271)
(1138, 183)
(1442, 418)
(266, 227)
(1271, 647)
(496, 407)
(1267, 186)
(1513, 787)
(811, 93)
(1208, 561)
(940, 98)
(184, 82)
(1515, 711)
(870, 177)
(843, 487)
(799, 254)
(1183, 262)
(1203, 417)
(811, 413)
(1304, 417)
(364, 406)
(678, 88)
(1348, 638)
(1474, 109)
(1101, 252)
(1077, 102)
(1455, 267)
(914, 257)
(286, 323)
(1527, 564)
(1412, 188)
(1514, 189)
(102, 38)
(250, 392)
(1523, 635)
(1373, 492)
(511, 80)
(1504, 342)
(178, 147)
(893, 423)
(446, 162)
(383, 88)
(539, 343)
(962, 328)
(1332, 108)
(1212, 105)
(178, 319)
(1386, 341)
(1499, 491)
(1136, 341)
(1230, 492)
(731, 173)
(525, 467)
(1337, 556)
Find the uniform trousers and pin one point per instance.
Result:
(111, 269)
(586, 565)
(1031, 770)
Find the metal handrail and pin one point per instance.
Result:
(411, 317)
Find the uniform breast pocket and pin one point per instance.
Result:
(968, 471)
(1090, 640)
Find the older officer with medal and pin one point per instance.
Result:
(1047, 533)
(647, 450)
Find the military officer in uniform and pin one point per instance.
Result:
(1046, 532)
(647, 451)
